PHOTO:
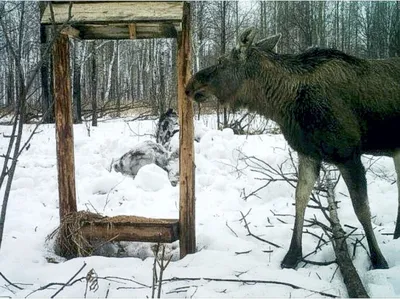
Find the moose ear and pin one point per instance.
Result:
(246, 39)
(269, 43)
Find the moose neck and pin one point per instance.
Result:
(270, 92)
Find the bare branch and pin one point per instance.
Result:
(249, 281)
(13, 284)
(69, 281)
(246, 225)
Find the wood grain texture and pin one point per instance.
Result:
(187, 211)
(115, 11)
(64, 127)
(132, 31)
(124, 30)
(132, 228)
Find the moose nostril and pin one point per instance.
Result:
(187, 92)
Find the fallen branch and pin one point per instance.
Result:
(246, 225)
(83, 278)
(249, 281)
(13, 284)
(226, 223)
(75, 275)
(318, 263)
(242, 252)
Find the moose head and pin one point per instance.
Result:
(230, 79)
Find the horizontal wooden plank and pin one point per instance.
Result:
(115, 11)
(70, 31)
(132, 228)
(123, 31)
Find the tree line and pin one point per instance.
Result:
(110, 77)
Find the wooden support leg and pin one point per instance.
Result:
(64, 127)
(187, 223)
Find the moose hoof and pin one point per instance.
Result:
(379, 262)
(291, 260)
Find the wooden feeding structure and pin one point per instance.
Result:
(122, 20)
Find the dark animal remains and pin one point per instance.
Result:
(330, 107)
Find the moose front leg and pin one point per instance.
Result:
(308, 175)
(396, 159)
(353, 173)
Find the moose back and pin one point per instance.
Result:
(330, 106)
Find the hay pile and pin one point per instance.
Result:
(70, 242)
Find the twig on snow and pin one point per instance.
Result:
(248, 281)
(226, 223)
(66, 284)
(92, 280)
(13, 284)
(242, 252)
(246, 225)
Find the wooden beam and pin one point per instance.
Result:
(132, 228)
(187, 223)
(122, 31)
(70, 31)
(115, 11)
(132, 31)
(64, 127)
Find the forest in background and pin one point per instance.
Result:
(111, 77)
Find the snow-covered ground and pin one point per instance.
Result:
(221, 183)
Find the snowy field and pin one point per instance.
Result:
(224, 249)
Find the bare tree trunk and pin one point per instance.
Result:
(263, 17)
(218, 115)
(47, 78)
(224, 11)
(394, 36)
(16, 136)
(117, 81)
(110, 73)
(162, 95)
(93, 84)
(11, 83)
(77, 86)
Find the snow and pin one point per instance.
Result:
(151, 178)
(222, 181)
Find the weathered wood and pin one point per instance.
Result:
(187, 221)
(64, 127)
(122, 30)
(132, 228)
(115, 11)
(132, 31)
(70, 31)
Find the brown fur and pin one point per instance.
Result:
(330, 106)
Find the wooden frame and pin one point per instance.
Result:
(174, 20)
(114, 19)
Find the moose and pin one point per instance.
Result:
(331, 107)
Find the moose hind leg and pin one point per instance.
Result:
(353, 173)
(396, 159)
(308, 175)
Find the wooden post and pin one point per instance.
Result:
(187, 223)
(64, 127)
(132, 31)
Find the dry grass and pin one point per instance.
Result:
(70, 241)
